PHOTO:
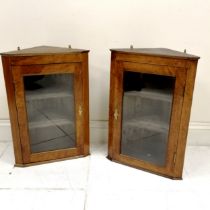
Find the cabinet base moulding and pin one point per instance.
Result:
(49, 161)
(143, 169)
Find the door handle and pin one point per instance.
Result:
(116, 115)
(80, 110)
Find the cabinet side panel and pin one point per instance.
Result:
(12, 109)
(111, 105)
(85, 82)
(185, 117)
(176, 117)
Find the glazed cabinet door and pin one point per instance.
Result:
(145, 110)
(50, 110)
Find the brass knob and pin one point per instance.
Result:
(116, 114)
(80, 110)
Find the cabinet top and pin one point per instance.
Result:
(163, 52)
(43, 50)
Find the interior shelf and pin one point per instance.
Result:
(48, 123)
(57, 143)
(47, 118)
(46, 93)
(151, 149)
(50, 131)
(148, 122)
(145, 138)
(163, 95)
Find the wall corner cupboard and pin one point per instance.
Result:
(47, 91)
(150, 101)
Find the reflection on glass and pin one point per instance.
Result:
(50, 110)
(147, 102)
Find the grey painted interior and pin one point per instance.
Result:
(147, 102)
(50, 110)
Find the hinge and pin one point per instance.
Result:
(183, 91)
(174, 158)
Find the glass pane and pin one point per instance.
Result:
(50, 110)
(147, 101)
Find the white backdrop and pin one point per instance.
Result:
(100, 25)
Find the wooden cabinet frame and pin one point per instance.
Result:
(184, 70)
(47, 61)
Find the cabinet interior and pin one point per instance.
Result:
(50, 109)
(146, 111)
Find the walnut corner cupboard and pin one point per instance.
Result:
(47, 91)
(150, 100)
